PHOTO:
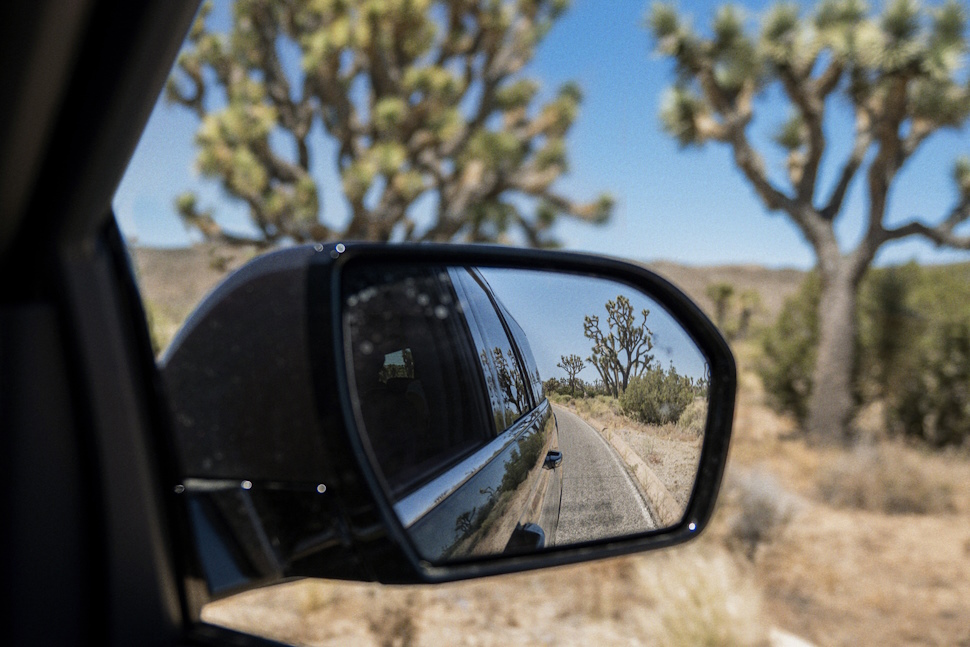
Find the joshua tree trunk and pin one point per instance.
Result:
(830, 404)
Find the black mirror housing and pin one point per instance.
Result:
(279, 478)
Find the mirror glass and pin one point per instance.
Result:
(513, 410)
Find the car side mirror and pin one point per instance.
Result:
(431, 413)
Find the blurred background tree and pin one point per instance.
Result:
(912, 350)
(721, 295)
(733, 311)
(749, 306)
(423, 98)
(903, 73)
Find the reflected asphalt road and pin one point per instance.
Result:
(599, 497)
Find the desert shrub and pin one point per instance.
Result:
(722, 296)
(561, 385)
(555, 385)
(933, 400)
(912, 350)
(658, 396)
(595, 406)
(602, 403)
(930, 394)
(789, 350)
(694, 418)
(888, 328)
(156, 336)
(764, 508)
(749, 306)
(887, 478)
(593, 389)
(161, 327)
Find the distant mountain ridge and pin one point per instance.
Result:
(174, 280)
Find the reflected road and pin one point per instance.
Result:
(599, 497)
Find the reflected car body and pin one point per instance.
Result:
(462, 431)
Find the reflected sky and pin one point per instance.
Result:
(550, 308)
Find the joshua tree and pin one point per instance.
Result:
(572, 364)
(721, 295)
(435, 132)
(624, 350)
(902, 72)
(749, 306)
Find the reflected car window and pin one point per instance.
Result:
(421, 401)
(525, 353)
(498, 359)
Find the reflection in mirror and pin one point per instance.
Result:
(512, 410)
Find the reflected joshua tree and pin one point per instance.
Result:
(572, 364)
(623, 350)
(510, 380)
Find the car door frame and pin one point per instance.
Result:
(93, 539)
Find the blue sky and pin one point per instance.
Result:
(689, 206)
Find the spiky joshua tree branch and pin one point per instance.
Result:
(424, 100)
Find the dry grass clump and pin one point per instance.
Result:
(605, 411)
(888, 478)
(599, 406)
(762, 509)
(702, 598)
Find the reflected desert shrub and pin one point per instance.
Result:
(553, 386)
(887, 478)
(161, 326)
(599, 406)
(694, 418)
(658, 396)
(604, 404)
